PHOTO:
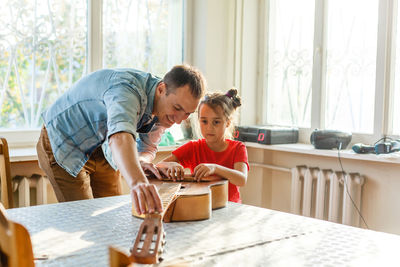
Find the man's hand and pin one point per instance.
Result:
(146, 199)
(150, 168)
(204, 170)
(172, 170)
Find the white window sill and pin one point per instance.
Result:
(22, 154)
(345, 154)
(167, 148)
(29, 153)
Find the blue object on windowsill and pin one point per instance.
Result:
(167, 140)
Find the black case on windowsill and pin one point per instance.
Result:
(267, 135)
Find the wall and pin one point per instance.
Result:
(224, 46)
(380, 197)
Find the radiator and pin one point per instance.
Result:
(22, 189)
(322, 194)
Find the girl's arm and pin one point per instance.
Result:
(237, 176)
(170, 158)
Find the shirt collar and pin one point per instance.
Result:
(150, 99)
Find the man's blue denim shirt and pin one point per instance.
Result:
(103, 103)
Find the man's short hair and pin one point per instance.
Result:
(181, 75)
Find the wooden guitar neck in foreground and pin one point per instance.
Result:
(150, 239)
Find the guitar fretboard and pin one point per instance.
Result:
(168, 193)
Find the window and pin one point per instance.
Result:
(395, 112)
(138, 33)
(290, 56)
(45, 48)
(351, 44)
(42, 52)
(324, 62)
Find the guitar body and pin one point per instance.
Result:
(195, 200)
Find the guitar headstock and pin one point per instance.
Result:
(150, 240)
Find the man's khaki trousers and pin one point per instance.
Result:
(96, 179)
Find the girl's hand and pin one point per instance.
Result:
(175, 172)
(172, 170)
(204, 170)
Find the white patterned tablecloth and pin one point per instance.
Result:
(78, 234)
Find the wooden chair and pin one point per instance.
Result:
(15, 243)
(5, 175)
(118, 258)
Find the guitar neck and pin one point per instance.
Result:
(168, 193)
(150, 239)
(186, 178)
(189, 178)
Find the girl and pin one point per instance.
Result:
(215, 154)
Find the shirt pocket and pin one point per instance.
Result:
(85, 125)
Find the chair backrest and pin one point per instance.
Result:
(5, 175)
(118, 258)
(15, 243)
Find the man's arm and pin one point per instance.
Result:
(147, 147)
(146, 156)
(145, 197)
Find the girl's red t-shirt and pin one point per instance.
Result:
(193, 153)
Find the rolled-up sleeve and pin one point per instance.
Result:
(148, 142)
(123, 105)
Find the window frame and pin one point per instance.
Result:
(384, 84)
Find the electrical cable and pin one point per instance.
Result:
(345, 185)
(384, 139)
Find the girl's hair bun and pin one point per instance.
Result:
(232, 94)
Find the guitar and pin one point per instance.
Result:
(195, 200)
(185, 200)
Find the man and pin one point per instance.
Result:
(107, 110)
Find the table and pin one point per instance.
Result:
(78, 233)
